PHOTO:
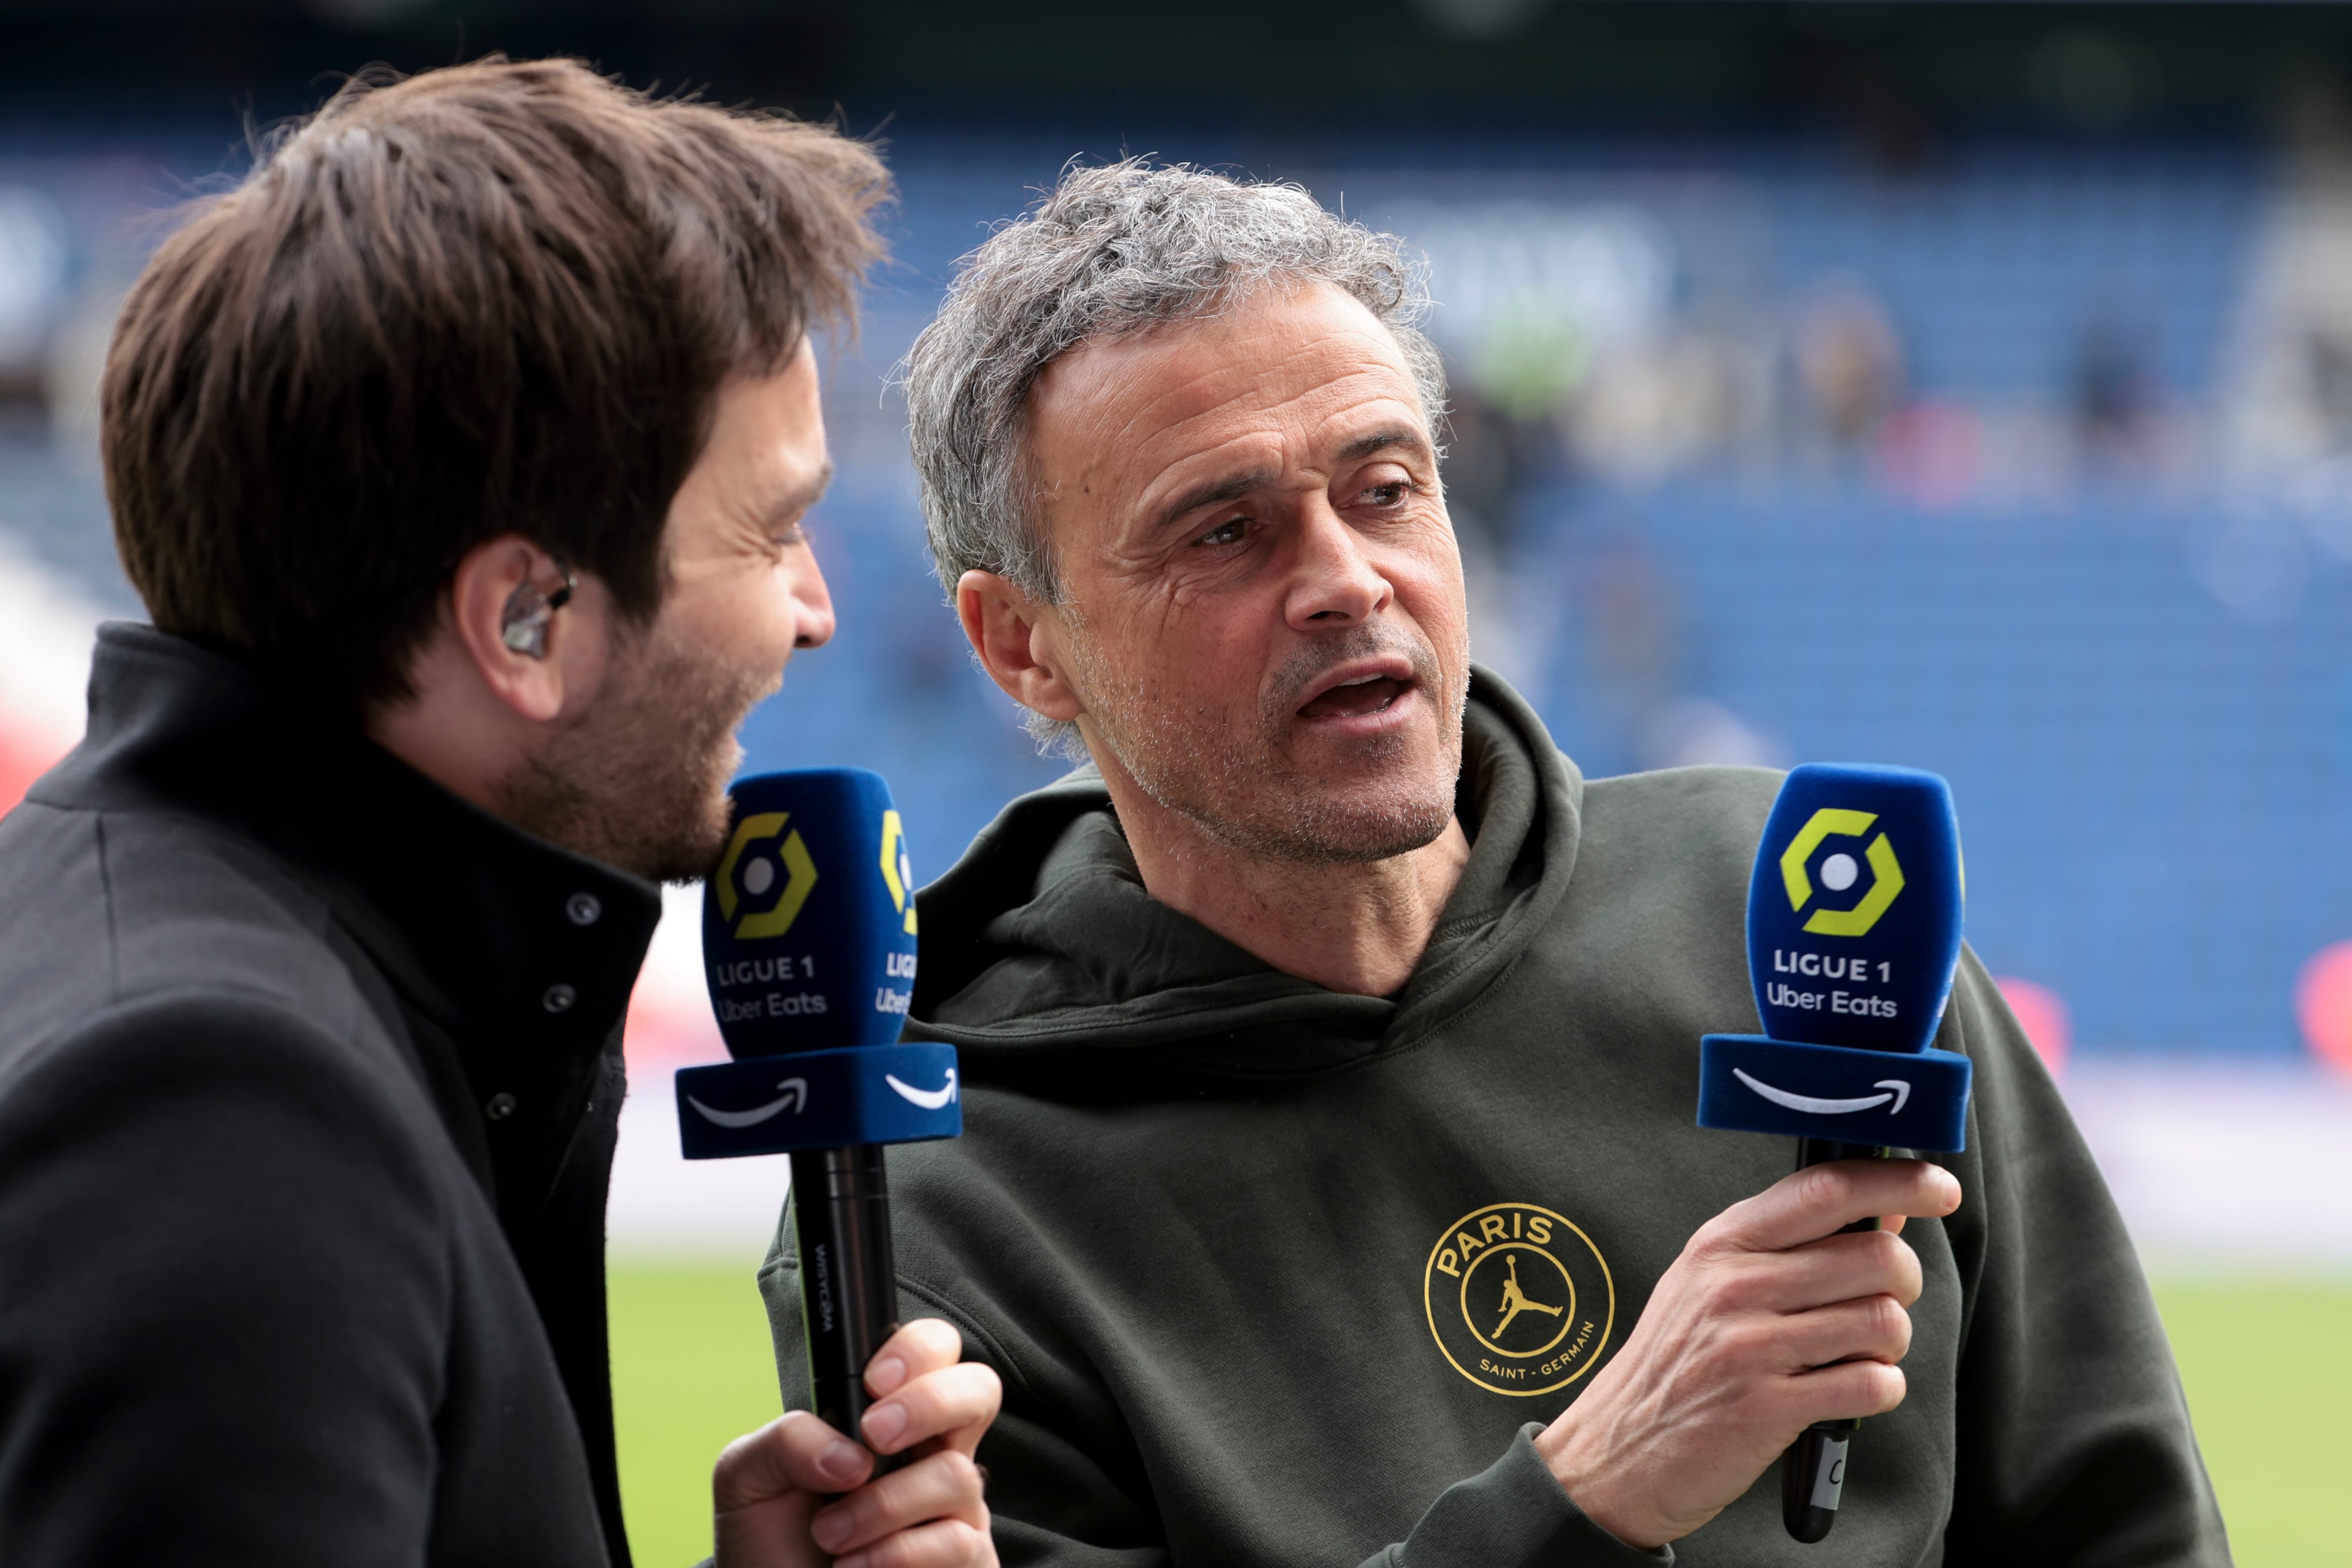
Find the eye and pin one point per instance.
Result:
(1228, 532)
(1391, 494)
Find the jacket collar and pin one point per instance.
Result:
(485, 926)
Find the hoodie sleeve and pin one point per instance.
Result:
(2075, 1441)
(1512, 1512)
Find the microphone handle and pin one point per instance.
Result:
(1812, 1472)
(849, 1281)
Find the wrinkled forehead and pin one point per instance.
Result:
(1290, 371)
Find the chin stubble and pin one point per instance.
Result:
(1246, 793)
(639, 780)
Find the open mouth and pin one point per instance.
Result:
(1353, 699)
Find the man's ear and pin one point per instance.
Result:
(507, 583)
(1019, 641)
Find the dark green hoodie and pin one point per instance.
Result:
(1243, 1248)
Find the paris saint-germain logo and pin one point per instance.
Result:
(1518, 1299)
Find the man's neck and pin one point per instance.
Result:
(1359, 926)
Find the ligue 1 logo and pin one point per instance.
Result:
(1518, 1299)
(1839, 872)
(749, 872)
(897, 872)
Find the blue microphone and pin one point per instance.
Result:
(1853, 933)
(808, 943)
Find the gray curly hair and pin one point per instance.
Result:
(1108, 251)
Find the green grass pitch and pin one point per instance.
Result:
(2268, 1372)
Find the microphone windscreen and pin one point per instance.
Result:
(1853, 914)
(808, 924)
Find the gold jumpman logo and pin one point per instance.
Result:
(1515, 1301)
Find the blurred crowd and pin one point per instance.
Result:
(1678, 366)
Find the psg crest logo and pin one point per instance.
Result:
(1519, 1300)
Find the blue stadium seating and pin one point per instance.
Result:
(2150, 784)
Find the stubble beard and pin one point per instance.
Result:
(639, 779)
(1244, 790)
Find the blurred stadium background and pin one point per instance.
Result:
(1965, 386)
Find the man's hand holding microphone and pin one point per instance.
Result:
(1781, 1323)
(809, 946)
(1768, 1321)
(796, 1492)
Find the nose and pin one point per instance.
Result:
(1334, 582)
(812, 604)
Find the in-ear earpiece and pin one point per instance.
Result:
(523, 627)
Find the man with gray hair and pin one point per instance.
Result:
(1330, 1192)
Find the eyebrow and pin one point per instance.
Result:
(1212, 493)
(1381, 441)
(802, 498)
(1239, 485)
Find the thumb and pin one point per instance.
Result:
(794, 1452)
(766, 1485)
(772, 1534)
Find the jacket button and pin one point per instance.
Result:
(499, 1106)
(584, 908)
(559, 998)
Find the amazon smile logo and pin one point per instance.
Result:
(794, 1099)
(1899, 1090)
(927, 1099)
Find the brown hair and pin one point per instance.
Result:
(500, 296)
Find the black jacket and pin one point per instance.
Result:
(309, 1074)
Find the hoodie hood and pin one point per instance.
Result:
(1040, 944)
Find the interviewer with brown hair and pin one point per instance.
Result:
(460, 454)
